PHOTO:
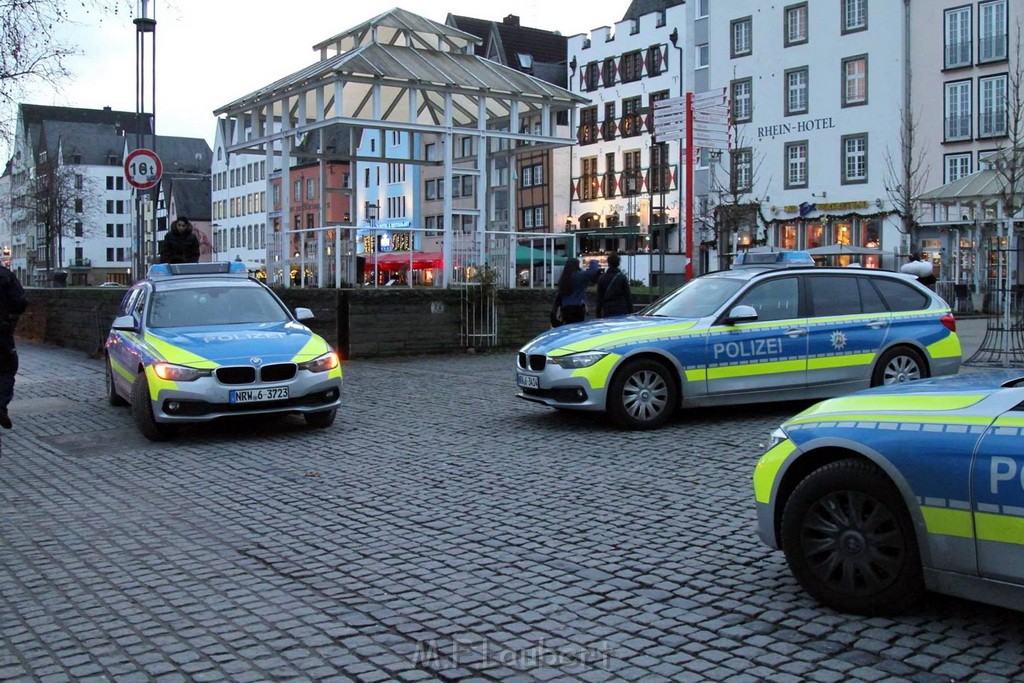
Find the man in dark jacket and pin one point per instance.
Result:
(613, 294)
(180, 245)
(12, 305)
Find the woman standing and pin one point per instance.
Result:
(571, 300)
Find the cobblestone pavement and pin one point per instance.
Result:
(441, 530)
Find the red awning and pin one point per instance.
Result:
(398, 260)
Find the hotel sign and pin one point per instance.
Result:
(804, 126)
(833, 206)
(387, 241)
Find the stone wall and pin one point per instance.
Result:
(361, 323)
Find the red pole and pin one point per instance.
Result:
(689, 186)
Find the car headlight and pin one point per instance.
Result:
(579, 360)
(323, 363)
(777, 437)
(179, 373)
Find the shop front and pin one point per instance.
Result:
(832, 238)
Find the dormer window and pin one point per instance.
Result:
(525, 61)
(76, 158)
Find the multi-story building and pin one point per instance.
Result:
(816, 95)
(5, 215)
(627, 183)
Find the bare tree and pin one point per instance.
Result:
(907, 174)
(737, 207)
(31, 50)
(1009, 160)
(61, 200)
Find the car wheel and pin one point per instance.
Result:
(321, 419)
(113, 398)
(142, 411)
(850, 542)
(899, 365)
(642, 395)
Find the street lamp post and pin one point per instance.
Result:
(371, 221)
(145, 22)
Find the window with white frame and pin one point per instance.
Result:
(855, 15)
(526, 176)
(992, 106)
(703, 56)
(992, 31)
(741, 175)
(742, 100)
(957, 166)
(855, 80)
(958, 37)
(538, 217)
(855, 158)
(430, 189)
(741, 33)
(467, 146)
(796, 91)
(958, 110)
(702, 8)
(796, 24)
(796, 164)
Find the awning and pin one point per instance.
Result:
(602, 233)
(401, 259)
(844, 250)
(525, 254)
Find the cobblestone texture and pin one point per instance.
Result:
(440, 530)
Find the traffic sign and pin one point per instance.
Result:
(143, 168)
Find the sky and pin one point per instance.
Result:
(211, 52)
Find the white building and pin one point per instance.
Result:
(627, 184)
(239, 201)
(816, 93)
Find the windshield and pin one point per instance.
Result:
(697, 298)
(214, 305)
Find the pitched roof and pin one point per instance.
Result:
(180, 155)
(192, 197)
(547, 49)
(94, 144)
(638, 8)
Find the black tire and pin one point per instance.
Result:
(113, 398)
(142, 411)
(642, 395)
(850, 542)
(898, 365)
(321, 419)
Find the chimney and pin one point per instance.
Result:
(511, 20)
(107, 108)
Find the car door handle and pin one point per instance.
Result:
(875, 324)
(795, 332)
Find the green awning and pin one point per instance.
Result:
(602, 233)
(525, 254)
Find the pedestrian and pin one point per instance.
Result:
(613, 294)
(12, 305)
(917, 266)
(571, 300)
(180, 244)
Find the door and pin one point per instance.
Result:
(848, 324)
(998, 505)
(765, 355)
(123, 348)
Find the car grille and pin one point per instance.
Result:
(534, 361)
(244, 374)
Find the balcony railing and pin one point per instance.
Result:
(992, 48)
(992, 123)
(958, 127)
(80, 263)
(958, 53)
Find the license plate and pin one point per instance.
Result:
(257, 395)
(527, 381)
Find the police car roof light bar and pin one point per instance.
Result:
(161, 270)
(779, 259)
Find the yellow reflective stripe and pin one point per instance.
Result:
(156, 385)
(628, 337)
(946, 348)
(122, 370)
(1002, 528)
(844, 361)
(1009, 422)
(768, 468)
(597, 374)
(313, 348)
(754, 369)
(178, 355)
(927, 402)
(948, 522)
(700, 375)
(889, 417)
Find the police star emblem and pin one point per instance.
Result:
(838, 340)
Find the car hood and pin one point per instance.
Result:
(607, 333)
(215, 345)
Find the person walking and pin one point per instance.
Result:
(180, 244)
(613, 294)
(12, 305)
(571, 300)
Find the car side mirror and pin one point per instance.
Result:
(741, 314)
(126, 323)
(303, 314)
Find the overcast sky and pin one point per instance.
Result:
(210, 52)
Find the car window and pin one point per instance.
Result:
(834, 295)
(870, 299)
(197, 306)
(128, 301)
(900, 296)
(697, 298)
(776, 299)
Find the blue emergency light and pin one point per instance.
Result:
(778, 259)
(162, 270)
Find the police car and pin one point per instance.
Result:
(198, 341)
(879, 495)
(763, 331)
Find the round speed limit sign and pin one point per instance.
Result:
(143, 168)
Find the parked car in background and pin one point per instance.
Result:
(763, 331)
